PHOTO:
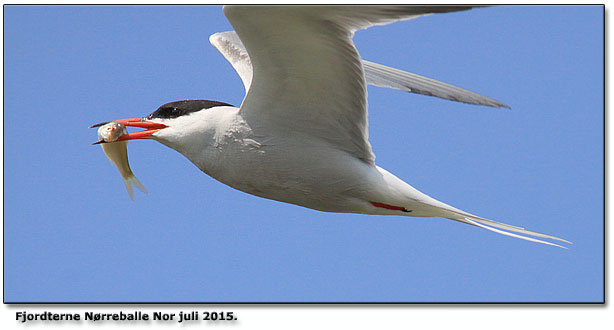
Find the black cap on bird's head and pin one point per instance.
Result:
(181, 108)
(170, 110)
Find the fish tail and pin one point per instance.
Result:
(130, 180)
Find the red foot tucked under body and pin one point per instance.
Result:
(389, 207)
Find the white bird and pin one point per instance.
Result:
(301, 134)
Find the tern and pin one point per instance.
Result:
(301, 133)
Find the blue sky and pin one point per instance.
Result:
(73, 234)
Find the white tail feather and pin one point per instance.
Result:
(511, 228)
(469, 221)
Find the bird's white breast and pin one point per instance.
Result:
(279, 165)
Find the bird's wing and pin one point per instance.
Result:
(308, 78)
(385, 76)
(229, 44)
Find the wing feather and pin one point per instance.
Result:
(384, 76)
(229, 44)
(231, 47)
(308, 78)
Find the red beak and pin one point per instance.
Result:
(150, 128)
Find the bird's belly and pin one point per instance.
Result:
(316, 177)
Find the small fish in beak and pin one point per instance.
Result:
(117, 152)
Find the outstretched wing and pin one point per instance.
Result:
(229, 44)
(385, 76)
(308, 78)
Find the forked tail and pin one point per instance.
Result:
(131, 181)
(505, 229)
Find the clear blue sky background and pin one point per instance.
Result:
(72, 234)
